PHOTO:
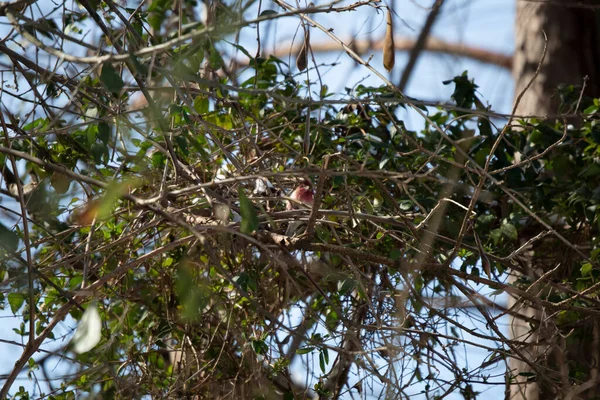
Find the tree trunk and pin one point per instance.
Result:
(572, 53)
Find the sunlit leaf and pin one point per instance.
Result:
(15, 300)
(89, 331)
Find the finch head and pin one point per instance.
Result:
(303, 194)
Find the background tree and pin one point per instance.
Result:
(157, 166)
(555, 64)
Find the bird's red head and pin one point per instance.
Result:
(303, 193)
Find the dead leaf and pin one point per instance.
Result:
(389, 50)
(302, 58)
(88, 214)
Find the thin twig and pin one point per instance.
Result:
(420, 44)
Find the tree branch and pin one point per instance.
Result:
(433, 45)
(419, 44)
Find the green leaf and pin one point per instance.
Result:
(305, 350)
(15, 300)
(214, 58)
(194, 295)
(345, 286)
(75, 282)
(8, 239)
(182, 144)
(111, 79)
(158, 12)
(60, 182)
(495, 235)
(100, 152)
(586, 269)
(509, 231)
(324, 90)
(35, 124)
(104, 132)
(201, 104)
(259, 346)
(395, 254)
(168, 262)
(331, 320)
(240, 48)
(249, 218)
(322, 362)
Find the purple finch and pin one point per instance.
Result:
(302, 194)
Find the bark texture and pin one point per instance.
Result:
(572, 54)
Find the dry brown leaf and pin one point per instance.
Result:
(87, 214)
(389, 51)
(302, 58)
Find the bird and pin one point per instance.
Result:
(305, 195)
